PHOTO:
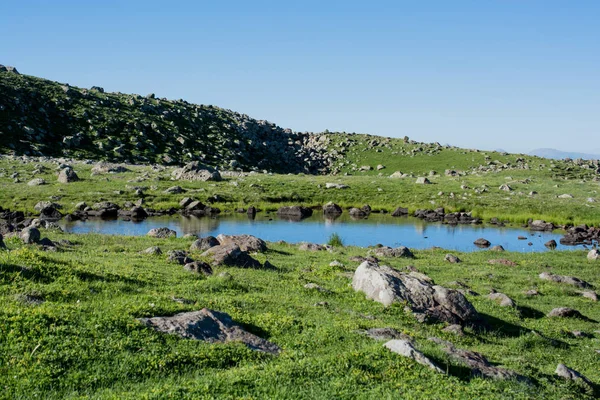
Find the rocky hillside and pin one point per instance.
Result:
(42, 117)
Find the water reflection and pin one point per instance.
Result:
(376, 229)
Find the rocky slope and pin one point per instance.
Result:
(41, 117)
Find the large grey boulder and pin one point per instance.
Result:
(245, 242)
(332, 209)
(232, 255)
(569, 280)
(405, 348)
(67, 175)
(209, 326)
(387, 285)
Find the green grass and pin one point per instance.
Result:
(335, 240)
(84, 340)
(269, 192)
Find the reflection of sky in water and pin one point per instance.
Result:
(382, 229)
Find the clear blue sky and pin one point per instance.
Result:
(489, 74)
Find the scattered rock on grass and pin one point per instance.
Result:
(30, 235)
(594, 254)
(154, 251)
(503, 261)
(232, 255)
(502, 299)
(245, 242)
(384, 334)
(386, 251)
(405, 348)
(210, 326)
(204, 243)
(451, 258)
(565, 312)
(569, 280)
(199, 268)
(570, 374)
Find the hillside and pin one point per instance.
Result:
(559, 154)
(41, 117)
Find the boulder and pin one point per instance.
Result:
(590, 294)
(386, 251)
(210, 326)
(30, 235)
(244, 242)
(154, 251)
(569, 280)
(551, 244)
(502, 299)
(232, 255)
(423, 181)
(400, 212)
(48, 210)
(452, 259)
(503, 261)
(570, 374)
(384, 334)
(204, 243)
(198, 267)
(541, 225)
(481, 242)
(405, 348)
(357, 213)
(505, 187)
(36, 182)
(195, 171)
(332, 209)
(565, 312)
(179, 257)
(311, 247)
(330, 185)
(67, 175)
(161, 233)
(593, 255)
(174, 190)
(294, 212)
(497, 247)
(386, 286)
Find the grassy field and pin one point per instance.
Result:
(477, 191)
(83, 340)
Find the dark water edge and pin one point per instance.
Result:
(376, 229)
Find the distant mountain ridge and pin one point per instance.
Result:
(559, 155)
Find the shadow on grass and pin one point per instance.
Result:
(9, 272)
(528, 312)
(501, 327)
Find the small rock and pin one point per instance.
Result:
(502, 299)
(36, 182)
(565, 312)
(451, 258)
(30, 235)
(314, 286)
(198, 267)
(497, 248)
(570, 374)
(154, 251)
(594, 254)
(551, 244)
(454, 329)
(588, 294)
(405, 348)
(481, 242)
(162, 233)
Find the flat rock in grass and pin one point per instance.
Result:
(232, 255)
(36, 182)
(161, 233)
(384, 334)
(569, 280)
(589, 294)
(422, 181)
(174, 190)
(311, 247)
(153, 251)
(477, 362)
(204, 243)
(570, 374)
(503, 261)
(245, 242)
(198, 267)
(406, 348)
(209, 326)
(565, 312)
(386, 251)
(387, 285)
(502, 299)
(336, 263)
(314, 286)
(452, 259)
(331, 185)
(455, 329)
(593, 254)
(531, 293)
(108, 168)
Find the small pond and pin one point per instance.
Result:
(377, 228)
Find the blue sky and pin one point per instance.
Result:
(507, 74)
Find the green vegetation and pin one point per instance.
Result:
(269, 192)
(335, 240)
(83, 340)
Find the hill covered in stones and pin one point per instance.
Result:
(42, 117)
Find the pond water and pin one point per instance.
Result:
(376, 229)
